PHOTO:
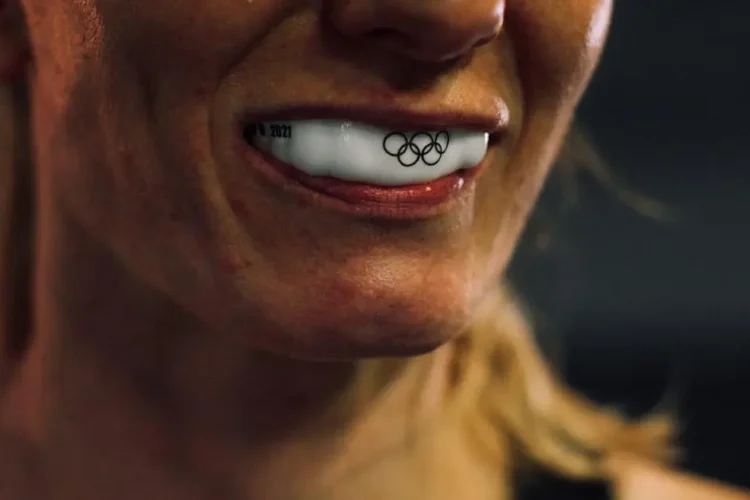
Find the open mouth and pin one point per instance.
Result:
(370, 169)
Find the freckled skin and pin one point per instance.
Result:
(140, 99)
(167, 270)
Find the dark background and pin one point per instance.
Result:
(636, 308)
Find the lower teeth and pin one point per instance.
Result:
(364, 153)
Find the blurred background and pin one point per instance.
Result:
(634, 309)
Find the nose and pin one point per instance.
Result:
(425, 30)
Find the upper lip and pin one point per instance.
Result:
(388, 118)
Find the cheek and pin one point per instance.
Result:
(197, 38)
(558, 45)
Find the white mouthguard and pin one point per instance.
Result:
(364, 153)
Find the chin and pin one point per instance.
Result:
(348, 320)
(370, 337)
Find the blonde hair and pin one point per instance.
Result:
(513, 407)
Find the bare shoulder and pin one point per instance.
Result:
(639, 480)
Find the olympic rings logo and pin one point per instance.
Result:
(409, 150)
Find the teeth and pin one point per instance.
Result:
(363, 153)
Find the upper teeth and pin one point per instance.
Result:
(364, 153)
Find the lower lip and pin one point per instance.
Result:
(414, 201)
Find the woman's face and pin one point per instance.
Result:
(140, 109)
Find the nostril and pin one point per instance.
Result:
(380, 33)
(485, 40)
(391, 36)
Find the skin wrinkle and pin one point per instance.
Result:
(203, 333)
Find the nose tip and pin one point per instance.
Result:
(428, 30)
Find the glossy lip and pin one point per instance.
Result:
(417, 201)
(397, 120)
